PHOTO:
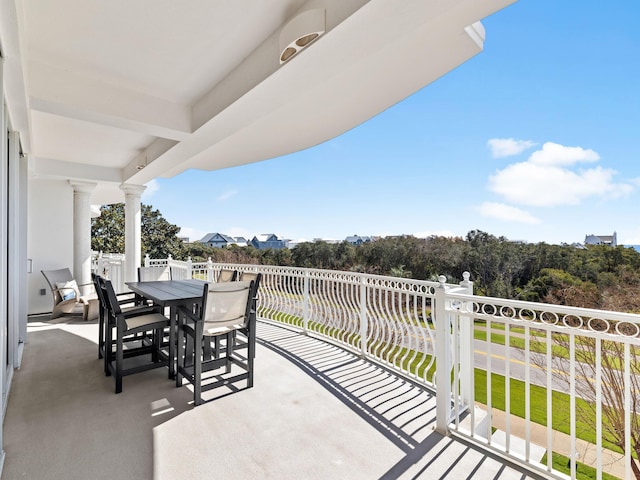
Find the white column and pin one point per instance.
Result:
(132, 230)
(82, 232)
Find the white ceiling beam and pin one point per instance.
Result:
(142, 168)
(61, 92)
(48, 167)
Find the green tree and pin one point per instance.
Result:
(200, 252)
(107, 230)
(561, 288)
(159, 237)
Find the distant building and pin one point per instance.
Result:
(268, 240)
(241, 241)
(358, 240)
(184, 239)
(217, 240)
(610, 240)
(332, 241)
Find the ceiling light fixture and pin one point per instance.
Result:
(300, 32)
(143, 163)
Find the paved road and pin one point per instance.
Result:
(517, 365)
(537, 366)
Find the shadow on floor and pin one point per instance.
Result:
(315, 411)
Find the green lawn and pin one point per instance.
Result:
(411, 361)
(583, 472)
(560, 421)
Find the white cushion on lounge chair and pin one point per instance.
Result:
(68, 290)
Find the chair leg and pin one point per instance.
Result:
(229, 350)
(189, 343)
(180, 353)
(155, 344)
(100, 331)
(251, 350)
(108, 348)
(172, 350)
(119, 362)
(197, 364)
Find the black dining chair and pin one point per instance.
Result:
(140, 330)
(128, 302)
(226, 309)
(213, 348)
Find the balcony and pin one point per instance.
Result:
(348, 387)
(316, 411)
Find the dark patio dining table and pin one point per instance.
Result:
(172, 294)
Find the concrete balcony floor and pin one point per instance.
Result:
(315, 412)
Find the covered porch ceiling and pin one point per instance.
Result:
(124, 92)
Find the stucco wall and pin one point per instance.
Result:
(50, 243)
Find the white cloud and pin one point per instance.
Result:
(545, 181)
(239, 232)
(506, 147)
(152, 187)
(554, 154)
(506, 212)
(227, 195)
(193, 233)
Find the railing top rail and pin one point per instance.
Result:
(358, 277)
(520, 305)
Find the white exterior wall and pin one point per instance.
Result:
(50, 244)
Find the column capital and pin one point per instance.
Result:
(131, 189)
(82, 187)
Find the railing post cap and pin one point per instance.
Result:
(466, 276)
(442, 279)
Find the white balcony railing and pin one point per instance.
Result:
(570, 370)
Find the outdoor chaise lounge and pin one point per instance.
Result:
(66, 295)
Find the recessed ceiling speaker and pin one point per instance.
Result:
(300, 32)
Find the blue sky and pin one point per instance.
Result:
(537, 138)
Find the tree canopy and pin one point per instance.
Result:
(594, 276)
(159, 237)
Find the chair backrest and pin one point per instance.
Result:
(255, 278)
(97, 279)
(251, 276)
(227, 304)
(226, 275)
(176, 273)
(154, 274)
(55, 278)
(109, 296)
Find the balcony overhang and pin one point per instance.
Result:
(165, 89)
